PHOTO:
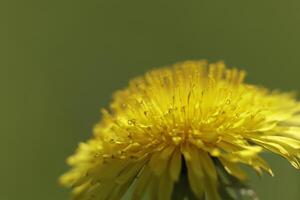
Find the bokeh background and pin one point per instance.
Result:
(61, 60)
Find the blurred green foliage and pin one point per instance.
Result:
(61, 60)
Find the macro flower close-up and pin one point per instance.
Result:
(185, 131)
(150, 100)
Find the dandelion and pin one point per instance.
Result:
(183, 132)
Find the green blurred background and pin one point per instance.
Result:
(61, 60)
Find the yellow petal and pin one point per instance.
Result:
(175, 165)
(196, 182)
(165, 187)
(159, 161)
(233, 169)
(142, 183)
(208, 166)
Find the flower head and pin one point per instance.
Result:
(192, 115)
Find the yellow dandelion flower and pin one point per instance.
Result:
(192, 118)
